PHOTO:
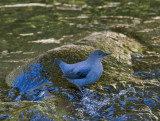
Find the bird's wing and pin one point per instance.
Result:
(71, 74)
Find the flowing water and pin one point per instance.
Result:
(30, 28)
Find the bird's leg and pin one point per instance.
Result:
(81, 90)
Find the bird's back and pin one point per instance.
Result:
(94, 72)
(67, 67)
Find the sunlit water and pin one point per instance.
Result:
(29, 29)
(127, 104)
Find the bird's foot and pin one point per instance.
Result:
(81, 89)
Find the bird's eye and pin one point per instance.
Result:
(100, 54)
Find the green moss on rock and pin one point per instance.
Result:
(117, 65)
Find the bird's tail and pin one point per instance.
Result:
(57, 61)
(61, 64)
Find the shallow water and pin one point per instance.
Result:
(31, 28)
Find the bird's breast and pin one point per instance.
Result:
(96, 72)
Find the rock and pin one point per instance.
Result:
(42, 69)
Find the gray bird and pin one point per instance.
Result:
(85, 72)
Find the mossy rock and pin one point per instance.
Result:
(42, 69)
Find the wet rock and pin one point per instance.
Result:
(34, 110)
(42, 69)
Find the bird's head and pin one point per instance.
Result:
(97, 55)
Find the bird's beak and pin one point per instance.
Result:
(107, 54)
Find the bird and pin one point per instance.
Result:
(85, 72)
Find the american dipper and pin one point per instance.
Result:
(85, 72)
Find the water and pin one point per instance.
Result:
(30, 28)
